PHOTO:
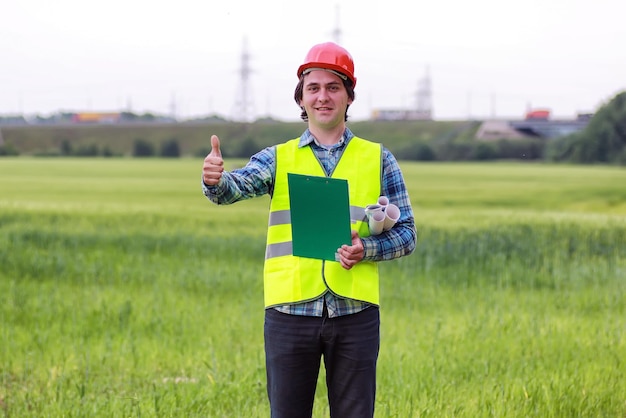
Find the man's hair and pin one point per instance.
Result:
(297, 95)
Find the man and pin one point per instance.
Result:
(315, 308)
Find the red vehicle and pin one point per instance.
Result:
(538, 114)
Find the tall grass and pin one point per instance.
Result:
(124, 293)
(512, 329)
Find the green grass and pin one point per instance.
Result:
(124, 293)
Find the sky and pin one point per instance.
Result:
(484, 58)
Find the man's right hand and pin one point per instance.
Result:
(213, 164)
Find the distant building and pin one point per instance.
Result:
(423, 109)
(536, 124)
(539, 124)
(400, 114)
(493, 130)
(96, 117)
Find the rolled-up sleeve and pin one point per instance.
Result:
(400, 240)
(253, 180)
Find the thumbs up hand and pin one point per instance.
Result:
(213, 164)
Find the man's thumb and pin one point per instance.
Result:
(215, 146)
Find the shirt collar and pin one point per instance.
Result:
(307, 138)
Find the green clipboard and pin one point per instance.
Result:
(320, 215)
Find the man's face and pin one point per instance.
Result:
(324, 99)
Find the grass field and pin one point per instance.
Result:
(124, 293)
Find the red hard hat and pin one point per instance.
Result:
(329, 56)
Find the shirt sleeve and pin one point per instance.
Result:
(256, 178)
(402, 238)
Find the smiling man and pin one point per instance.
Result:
(318, 309)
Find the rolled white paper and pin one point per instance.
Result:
(369, 209)
(392, 214)
(376, 222)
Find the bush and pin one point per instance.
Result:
(425, 153)
(90, 150)
(521, 149)
(107, 151)
(416, 152)
(8, 150)
(203, 152)
(561, 149)
(484, 151)
(247, 148)
(170, 149)
(142, 148)
(451, 151)
(66, 147)
(603, 139)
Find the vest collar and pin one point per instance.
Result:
(307, 138)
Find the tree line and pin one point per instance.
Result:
(602, 141)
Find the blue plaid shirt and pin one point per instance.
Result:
(257, 179)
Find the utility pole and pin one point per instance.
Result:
(243, 103)
(424, 96)
(173, 107)
(337, 30)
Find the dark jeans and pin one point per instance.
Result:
(294, 346)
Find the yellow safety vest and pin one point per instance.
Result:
(292, 279)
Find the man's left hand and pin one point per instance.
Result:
(349, 255)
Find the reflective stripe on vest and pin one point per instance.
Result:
(289, 279)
